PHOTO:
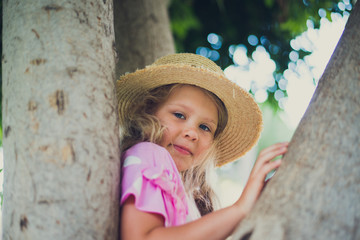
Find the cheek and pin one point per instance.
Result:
(171, 128)
(165, 139)
(168, 135)
(206, 145)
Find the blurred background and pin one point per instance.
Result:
(275, 49)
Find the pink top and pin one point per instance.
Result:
(150, 175)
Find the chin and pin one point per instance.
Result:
(181, 166)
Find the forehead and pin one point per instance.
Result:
(196, 97)
(188, 91)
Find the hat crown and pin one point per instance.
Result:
(191, 59)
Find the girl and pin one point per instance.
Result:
(179, 118)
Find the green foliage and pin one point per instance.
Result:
(183, 19)
(269, 3)
(300, 11)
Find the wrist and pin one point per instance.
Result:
(240, 210)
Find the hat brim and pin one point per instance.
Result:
(244, 116)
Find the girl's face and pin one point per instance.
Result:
(190, 117)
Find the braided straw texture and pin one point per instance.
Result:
(244, 116)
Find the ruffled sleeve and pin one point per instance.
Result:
(150, 175)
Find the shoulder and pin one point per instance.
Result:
(145, 149)
(148, 152)
(147, 146)
(150, 175)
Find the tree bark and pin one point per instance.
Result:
(316, 192)
(142, 33)
(61, 144)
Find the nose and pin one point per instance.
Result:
(190, 133)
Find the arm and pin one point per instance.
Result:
(136, 224)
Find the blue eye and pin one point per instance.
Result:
(205, 128)
(179, 115)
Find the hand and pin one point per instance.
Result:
(262, 167)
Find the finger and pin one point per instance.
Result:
(268, 156)
(273, 147)
(269, 153)
(271, 150)
(261, 174)
(266, 159)
(269, 167)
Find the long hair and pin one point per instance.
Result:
(142, 126)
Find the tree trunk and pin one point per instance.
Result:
(142, 33)
(61, 153)
(316, 192)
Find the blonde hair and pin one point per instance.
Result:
(142, 126)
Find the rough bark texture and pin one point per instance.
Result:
(61, 153)
(316, 192)
(142, 33)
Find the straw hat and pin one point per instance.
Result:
(244, 116)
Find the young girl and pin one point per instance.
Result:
(179, 118)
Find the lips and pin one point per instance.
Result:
(182, 150)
